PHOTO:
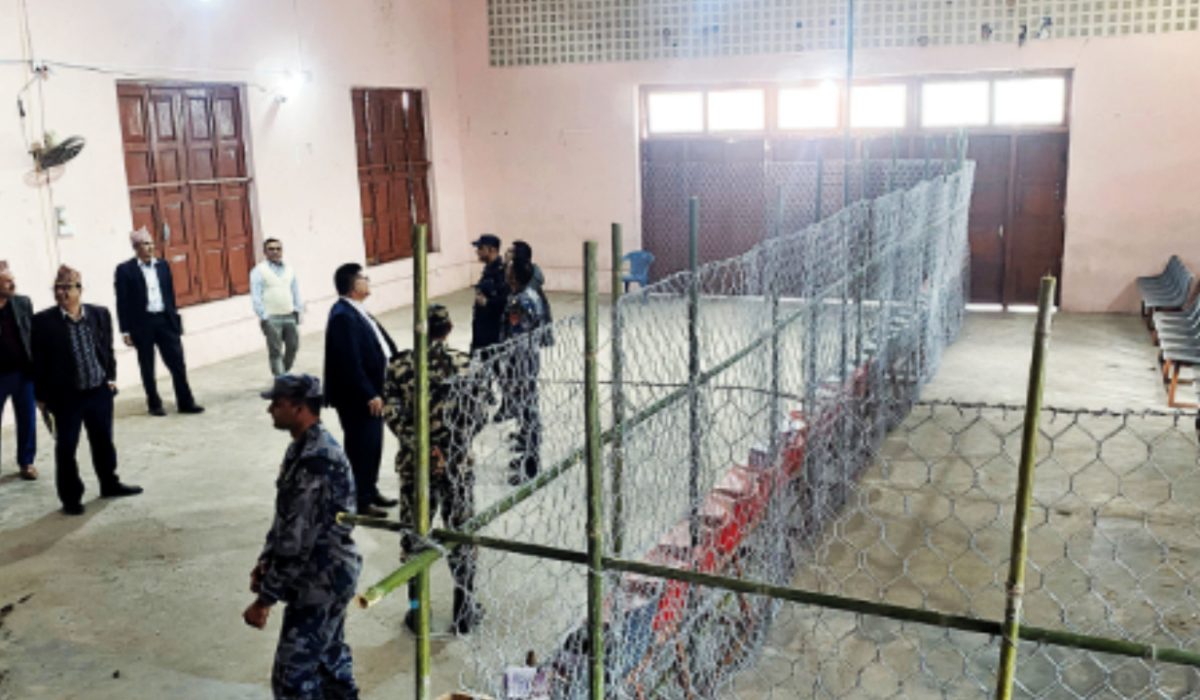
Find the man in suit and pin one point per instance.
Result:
(16, 368)
(74, 378)
(357, 350)
(148, 319)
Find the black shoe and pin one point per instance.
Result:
(372, 512)
(72, 509)
(410, 621)
(119, 490)
(468, 614)
(518, 479)
(157, 411)
(193, 409)
(383, 501)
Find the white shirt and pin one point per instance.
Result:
(383, 344)
(154, 300)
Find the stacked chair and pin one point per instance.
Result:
(1173, 314)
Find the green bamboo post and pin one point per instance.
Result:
(962, 623)
(421, 416)
(595, 472)
(618, 396)
(1020, 534)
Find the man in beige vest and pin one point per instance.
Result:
(276, 298)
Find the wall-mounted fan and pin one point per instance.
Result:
(49, 154)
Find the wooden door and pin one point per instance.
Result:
(989, 216)
(1034, 236)
(393, 170)
(186, 166)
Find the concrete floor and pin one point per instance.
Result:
(142, 597)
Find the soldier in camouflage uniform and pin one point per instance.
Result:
(309, 561)
(458, 399)
(524, 315)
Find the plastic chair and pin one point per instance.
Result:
(639, 268)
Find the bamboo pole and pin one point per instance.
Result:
(616, 334)
(1020, 533)
(899, 613)
(421, 416)
(595, 472)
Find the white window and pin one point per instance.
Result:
(736, 110)
(809, 107)
(959, 103)
(675, 112)
(1028, 101)
(879, 106)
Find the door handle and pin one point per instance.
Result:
(1000, 231)
(166, 234)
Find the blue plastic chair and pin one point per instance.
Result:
(639, 268)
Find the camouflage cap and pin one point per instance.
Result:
(439, 315)
(294, 386)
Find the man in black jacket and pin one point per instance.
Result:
(491, 296)
(74, 378)
(148, 318)
(357, 350)
(16, 368)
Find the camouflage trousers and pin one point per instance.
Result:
(312, 661)
(453, 495)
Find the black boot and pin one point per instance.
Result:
(467, 613)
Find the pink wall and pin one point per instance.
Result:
(303, 155)
(551, 152)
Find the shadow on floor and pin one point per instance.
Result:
(42, 534)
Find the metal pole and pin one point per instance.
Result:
(595, 471)
(1020, 533)
(694, 371)
(694, 444)
(421, 416)
(771, 268)
(820, 188)
(618, 397)
(847, 144)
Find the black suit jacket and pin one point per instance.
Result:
(132, 296)
(23, 314)
(354, 362)
(54, 368)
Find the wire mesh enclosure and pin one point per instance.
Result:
(781, 516)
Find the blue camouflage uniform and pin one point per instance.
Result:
(311, 563)
(525, 314)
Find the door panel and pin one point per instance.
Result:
(178, 140)
(1035, 245)
(989, 211)
(393, 170)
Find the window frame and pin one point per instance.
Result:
(913, 106)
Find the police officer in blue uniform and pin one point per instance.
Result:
(310, 562)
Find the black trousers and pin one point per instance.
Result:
(92, 411)
(160, 333)
(362, 438)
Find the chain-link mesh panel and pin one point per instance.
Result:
(724, 375)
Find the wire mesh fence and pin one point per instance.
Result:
(762, 428)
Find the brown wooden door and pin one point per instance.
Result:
(989, 216)
(185, 162)
(1034, 236)
(393, 170)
